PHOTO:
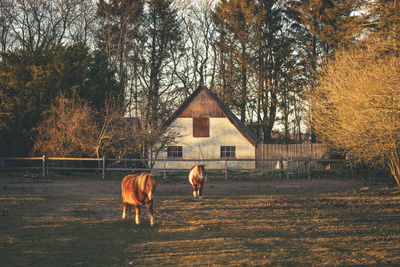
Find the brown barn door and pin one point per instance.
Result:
(201, 127)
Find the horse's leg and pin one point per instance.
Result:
(200, 191)
(124, 210)
(149, 205)
(194, 191)
(137, 209)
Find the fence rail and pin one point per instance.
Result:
(300, 165)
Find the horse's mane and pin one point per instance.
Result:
(202, 166)
(143, 179)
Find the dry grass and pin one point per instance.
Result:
(62, 228)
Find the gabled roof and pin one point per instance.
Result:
(249, 135)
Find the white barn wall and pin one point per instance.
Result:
(222, 133)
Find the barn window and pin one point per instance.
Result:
(228, 151)
(174, 152)
(201, 127)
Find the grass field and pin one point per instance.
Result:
(76, 222)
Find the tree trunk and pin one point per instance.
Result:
(243, 99)
(394, 165)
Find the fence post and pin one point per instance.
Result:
(280, 166)
(348, 157)
(226, 169)
(44, 166)
(47, 167)
(287, 170)
(165, 166)
(305, 166)
(287, 161)
(104, 166)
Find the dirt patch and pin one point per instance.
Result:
(274, 222)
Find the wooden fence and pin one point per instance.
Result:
(292, 158)
(102, 165)
(291, 151)
(44, 164)
(285, 152)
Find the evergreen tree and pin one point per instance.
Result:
(29, 81)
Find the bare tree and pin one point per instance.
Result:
(69, 131)
(83, 22)
(115, 134)
(37, 24)
(40, 23)
(5, 26)
(199, 34)
(356, 106)
(150, 139)
(161, 39)
(119, 22)
(73, 129)
(233, 20)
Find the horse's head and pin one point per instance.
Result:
(149, 186)
(202, 172)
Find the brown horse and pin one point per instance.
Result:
(197, 178)
(138, 189)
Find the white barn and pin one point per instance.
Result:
(208, 130)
